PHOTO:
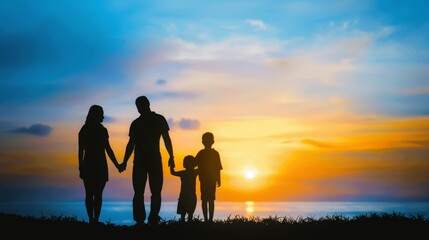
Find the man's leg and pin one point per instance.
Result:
(155, 184)
(139, 183)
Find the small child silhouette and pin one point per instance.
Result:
(187, 197)
(209, 167)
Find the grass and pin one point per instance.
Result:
(368, 226)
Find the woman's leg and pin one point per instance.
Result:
(98, 199)
(89, 199)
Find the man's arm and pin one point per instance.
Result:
(169, 147)
(128, 150)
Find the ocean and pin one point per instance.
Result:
(120, 213)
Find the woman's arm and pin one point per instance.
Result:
(111, 155)
(81, 154)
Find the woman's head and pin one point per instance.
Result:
(95, 114)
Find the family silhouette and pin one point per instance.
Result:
(145, 133)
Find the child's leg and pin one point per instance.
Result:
(204, 208)
(190, 216)
(211, 210)
(182, 217)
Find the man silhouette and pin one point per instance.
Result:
(144, 137)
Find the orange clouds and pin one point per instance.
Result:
(329, 158)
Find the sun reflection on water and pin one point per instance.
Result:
(250, 208)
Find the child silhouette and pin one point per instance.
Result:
(209, 167)
(187, 197)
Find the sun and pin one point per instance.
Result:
(249, 177)
(250, 173)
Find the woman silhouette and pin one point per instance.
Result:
(93, 145)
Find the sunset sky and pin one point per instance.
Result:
(307, 100)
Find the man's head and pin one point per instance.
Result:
(142, 104)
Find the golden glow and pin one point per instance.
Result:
(280, 159)
(250, 173)
(264, 159)
(248, 150)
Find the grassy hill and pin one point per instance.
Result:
(368, 226)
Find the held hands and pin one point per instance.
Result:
(122, 167)
(171, 162)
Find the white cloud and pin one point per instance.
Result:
(258, 24)
(259, 76)
(236, 47)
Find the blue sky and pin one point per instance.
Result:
(71, 48)
(209, 64)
